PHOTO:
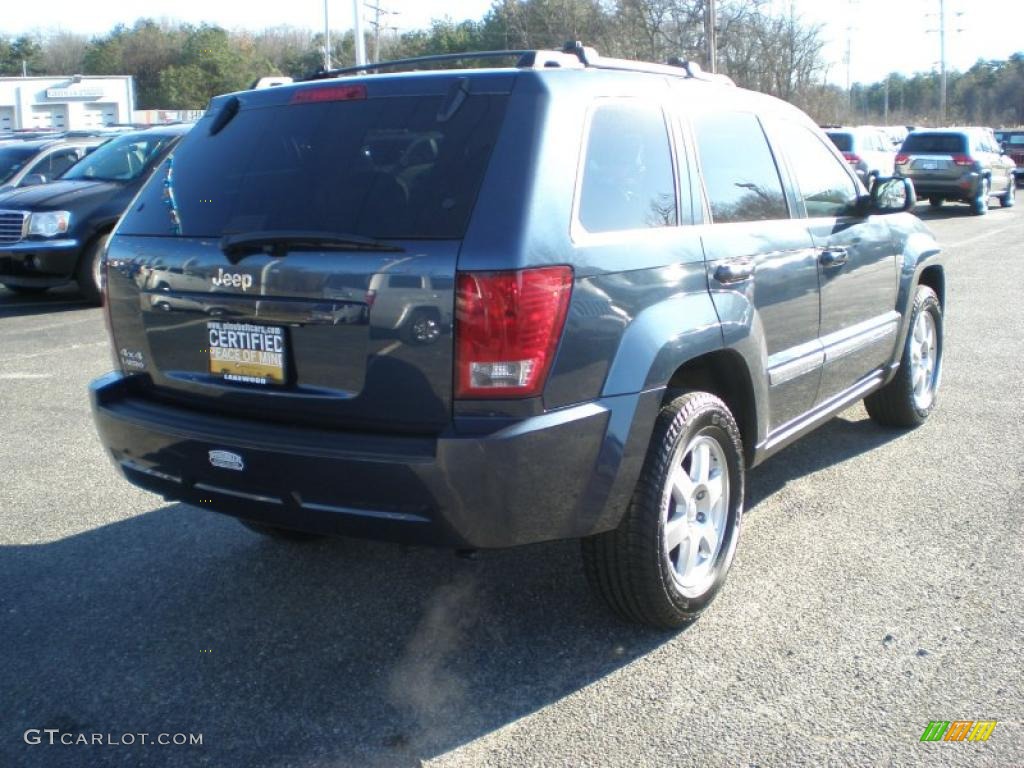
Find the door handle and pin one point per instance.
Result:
(735, 271)
(833, 257)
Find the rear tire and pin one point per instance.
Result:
(89, 274)
(669, 557)
(935, 202)
(26, 290)
(280, 534)
(1009, 197)
(979, 206)
(908, 399)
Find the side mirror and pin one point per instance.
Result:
(33, 180)
(892, 195)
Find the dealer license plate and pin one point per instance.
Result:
(248, 353)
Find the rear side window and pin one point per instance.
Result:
(740, 176)
(385, 167)
(935, 143)
(843, 141)
(628, 181)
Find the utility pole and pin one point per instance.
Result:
(848, 57)
(379, 11)
(886, 118)
(327, 40)
(357, 16)
(709, 35)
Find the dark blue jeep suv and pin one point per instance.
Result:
(561, 297)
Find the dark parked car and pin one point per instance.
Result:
(965, 165)
(27, 163)
(660, 284)
(1012, 142)
(54, 234)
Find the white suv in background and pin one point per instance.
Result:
(868, 150)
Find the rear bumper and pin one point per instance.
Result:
(964, 188)
(565, 474)
(39, 262)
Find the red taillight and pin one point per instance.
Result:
(507, 326)
(851, 157)
(371, 296)
(962, 160)
(902, 159)
(330, 93)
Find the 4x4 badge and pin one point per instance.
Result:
(227, 460)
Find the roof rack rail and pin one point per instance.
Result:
(574, 55)
(525, 59)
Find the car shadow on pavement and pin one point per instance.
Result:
(329, 653)
(832, 443)
(55, 300)
(952, 211)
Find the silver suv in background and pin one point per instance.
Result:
(38, 161)
(868, 150)
(966, 165)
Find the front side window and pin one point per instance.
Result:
(121, 159)
(628, 181)
(824, 185)
(13, 159)
(58, 162)
(740, 176)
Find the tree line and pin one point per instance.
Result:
(180, 66)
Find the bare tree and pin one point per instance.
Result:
(63, 53)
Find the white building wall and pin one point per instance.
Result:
(65, 103)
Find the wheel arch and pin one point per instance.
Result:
(725, 374)
(935, 278)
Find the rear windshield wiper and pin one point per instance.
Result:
(277, 242)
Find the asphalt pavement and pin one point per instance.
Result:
(879, 585)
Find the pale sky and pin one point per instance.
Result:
(886, 35)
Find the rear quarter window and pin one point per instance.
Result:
(628, 181)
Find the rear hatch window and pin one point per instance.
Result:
(382, 167)
(935, 143)
(843, 141)
(353, 336)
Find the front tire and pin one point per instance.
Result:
(935, 202)
(89, 274)
(909, 398)
(669, 557)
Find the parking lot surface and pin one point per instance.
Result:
(878, 586)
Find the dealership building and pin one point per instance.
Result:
(65, 103)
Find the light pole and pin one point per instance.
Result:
(357, 17)
(327, 40)
(709, 35)
(942, 62)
